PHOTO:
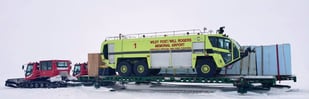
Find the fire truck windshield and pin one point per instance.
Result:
(220, 42)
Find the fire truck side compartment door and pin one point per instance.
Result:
(160, 59)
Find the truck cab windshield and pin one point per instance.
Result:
(220, 42)
(76, 70)
(29, 70)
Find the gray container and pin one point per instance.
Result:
(263, 62)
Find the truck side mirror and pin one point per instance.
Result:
(23, 67)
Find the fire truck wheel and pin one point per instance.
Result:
(124, 68)
(141, 68)
(206, 68)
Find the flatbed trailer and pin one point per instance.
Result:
(242, 83)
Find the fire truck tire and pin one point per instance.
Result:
(124, 68)
(141, 68)
(206, 68)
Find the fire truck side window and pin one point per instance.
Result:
(62, 64)
(235, 53)
(105, 51)
(213, 41)
(46, 65)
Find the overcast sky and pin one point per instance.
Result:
(32, 30)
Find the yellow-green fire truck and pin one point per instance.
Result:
(145, 54)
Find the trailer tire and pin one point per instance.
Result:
(206, 68)
(141, 68)
(124, 68)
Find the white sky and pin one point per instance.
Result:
(32, 30)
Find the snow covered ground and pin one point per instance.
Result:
(215, 91)
(92, 93)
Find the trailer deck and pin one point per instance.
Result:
(243, 83)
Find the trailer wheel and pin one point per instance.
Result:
(206, 68)
(124, 68)
(141, 69)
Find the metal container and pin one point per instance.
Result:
(263, 62)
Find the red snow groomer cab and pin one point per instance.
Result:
(46, 73)
(80, 69)
(47, 69)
